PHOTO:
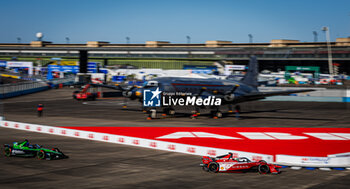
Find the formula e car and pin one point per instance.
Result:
(24, 149)
(227, 163)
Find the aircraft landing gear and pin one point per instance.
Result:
(170, 111)
(152, 114)
(194, 114)
(216, 114)
(230, 109)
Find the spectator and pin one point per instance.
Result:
(237, 111)
(40, 109)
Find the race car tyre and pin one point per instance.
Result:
(41, 155)
(8, 151)
(263, 162)
(213, 167)
(264, 169)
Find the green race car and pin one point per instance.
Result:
(24, 149)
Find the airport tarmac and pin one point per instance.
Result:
(104, 165)
(61, 110)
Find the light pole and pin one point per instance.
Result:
(250, 38)
(330, 64)
(19, 40)
(188, 39)
(67, 40)
(315, 36)
(127, 40)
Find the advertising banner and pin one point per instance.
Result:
(2, 63)
(16, 64)
(63, 69)
(200, 69)
(230, 68)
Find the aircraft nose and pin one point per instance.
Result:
(132, 93)
(138, 93)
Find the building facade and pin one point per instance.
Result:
(272, 56)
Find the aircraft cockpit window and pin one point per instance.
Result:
(151, 84)
(144, 84)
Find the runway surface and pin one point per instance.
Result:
(104, 165)
(61, 110)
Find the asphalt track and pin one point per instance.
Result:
(104, 165)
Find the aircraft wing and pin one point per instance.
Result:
(106, 86)
(262, 95)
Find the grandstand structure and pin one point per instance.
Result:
(272, 56)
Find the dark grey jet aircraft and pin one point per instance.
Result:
(228, 92)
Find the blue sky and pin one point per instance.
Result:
(172, 20)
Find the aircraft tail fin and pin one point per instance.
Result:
(251, 77)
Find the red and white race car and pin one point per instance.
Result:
(226, 163)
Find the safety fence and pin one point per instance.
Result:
(69, 80)
(17, 89)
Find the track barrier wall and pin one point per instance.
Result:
(334, 161)
(133, 141)
(22, 88)
(319, 95)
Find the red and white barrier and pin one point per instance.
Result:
(133, 141)
(306, 161)
(303, 147)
